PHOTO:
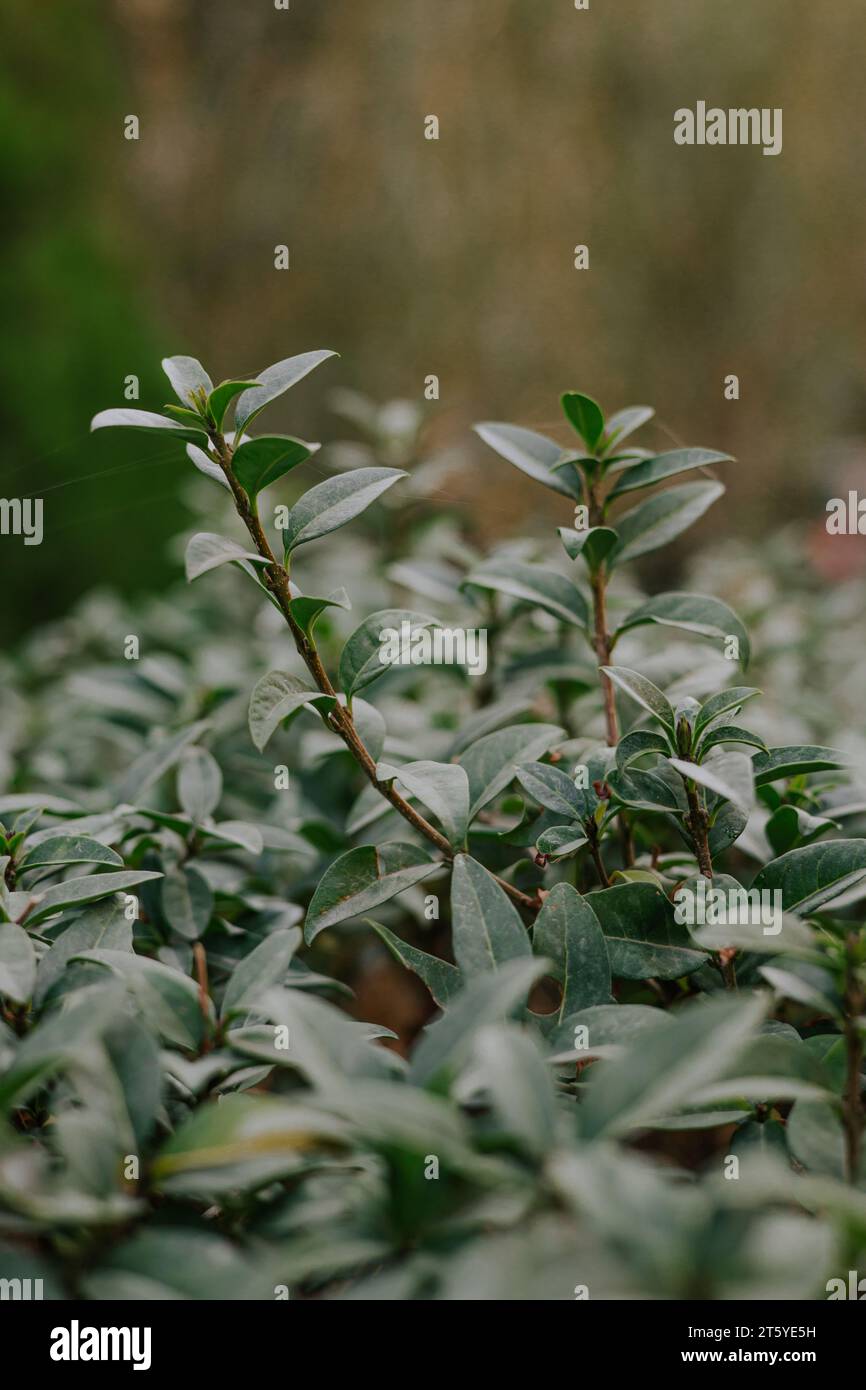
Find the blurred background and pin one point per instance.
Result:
(305, 126)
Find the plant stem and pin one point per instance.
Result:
(698, 823)
(200, 959)
(603, 646)
(852, 1105)
(602, 643)
(602, 652)
(595, 852)
(340, 717)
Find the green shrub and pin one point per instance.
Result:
(641, 1079)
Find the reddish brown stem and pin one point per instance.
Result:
(602, 646)
(200, 958)
(340, 719)
(697, 824)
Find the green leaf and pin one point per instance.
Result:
(17, 963)
(553, 789)
(336, 501)
(180, 1263)
(663, 1071)
(38, 801)
(763, 1140)
(722, 703)
(486, 929)
(222, 396)
(360, 659)
(795, 938)
(75, 892)
(442, 787)
(708, 617)
(364, 878)
(169, 1001)
(273, 381)
(123, 418)
(187, 901)
(68, 849)
(236, 832)
(623, 423)
(560, 842)
(187, 376)
(726, 774)
(488, 998)
(517, 1086)
(199, 783)
(371, 726)
(788, 824)
(653, 470)
(568, 932)
(184, 417)
(101, 925)
(638, 744)
(491, 762)
(325, 1047)
(643, 938)
(264, 967)
(594, 544)
(306, 610)
(274, 698)
(805, 983)
(658, 520)
(156, 761)
(816, 1138)
(730, 733)
(207, 464)
(815, 874)
(647, 695)
(585, 415)
(647, 791)
(610, 1028)
(206, 551)
(259, 462)
(532, 453)
(63, 1039)
(242, 1143)
(793, 760)
(442, 979)
(533, 584)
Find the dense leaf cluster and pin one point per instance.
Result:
(199, 847)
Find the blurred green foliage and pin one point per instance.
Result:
(410, 257)
(75, 317)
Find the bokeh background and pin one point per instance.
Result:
(306, 127)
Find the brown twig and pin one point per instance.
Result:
(595, 852)
(602, 644)
(697, 824)
(339, 718)
(200, 958)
